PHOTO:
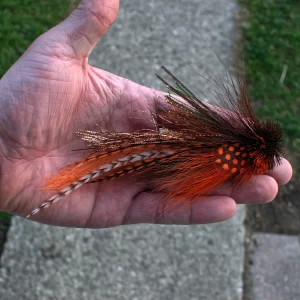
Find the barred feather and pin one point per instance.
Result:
(74, 176)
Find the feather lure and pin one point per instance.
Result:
(195, 148)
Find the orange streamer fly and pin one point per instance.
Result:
(195, 148)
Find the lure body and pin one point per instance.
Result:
(195, 148)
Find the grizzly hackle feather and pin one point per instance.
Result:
(195, 148)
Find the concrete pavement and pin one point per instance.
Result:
(275, 268)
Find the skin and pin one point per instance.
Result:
(50, 93)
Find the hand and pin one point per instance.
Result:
(50, 93)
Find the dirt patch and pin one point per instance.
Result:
(3, 232)
(283, 214)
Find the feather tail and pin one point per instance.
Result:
(97, 168)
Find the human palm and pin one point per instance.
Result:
(49, 94)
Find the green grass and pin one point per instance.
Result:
(5, 218)
(21, 22)
(272, 40)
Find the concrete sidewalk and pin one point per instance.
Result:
(142, 261)
(275, 267)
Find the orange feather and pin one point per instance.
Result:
(195, 148)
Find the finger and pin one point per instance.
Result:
(88, 23)
(260, 190)
(282, 173)
(151, 208)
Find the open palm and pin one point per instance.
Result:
(50, 93)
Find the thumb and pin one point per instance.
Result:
(88, 23)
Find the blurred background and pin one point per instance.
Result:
(255, 255)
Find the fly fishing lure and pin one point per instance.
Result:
(195, 148)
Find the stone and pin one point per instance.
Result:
(274, 272)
